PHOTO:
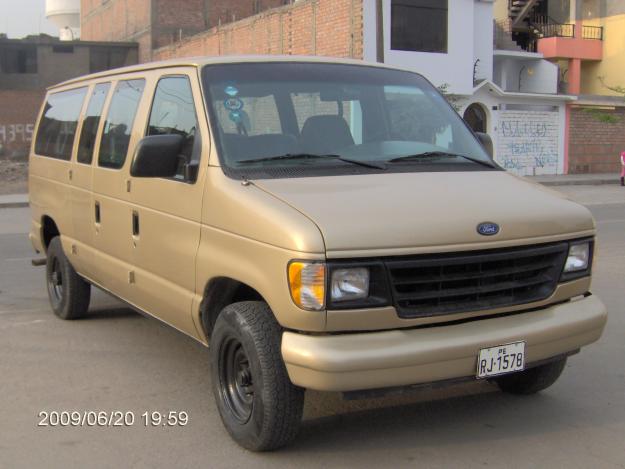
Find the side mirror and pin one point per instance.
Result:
(487, 143)
(157, 156)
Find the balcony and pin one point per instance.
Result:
(567, 41)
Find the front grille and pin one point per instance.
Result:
(472, 281)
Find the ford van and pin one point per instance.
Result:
(318, 224)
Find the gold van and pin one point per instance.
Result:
(321, 224)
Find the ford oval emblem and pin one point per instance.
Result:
(488, 228)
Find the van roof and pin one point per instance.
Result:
(208, 60)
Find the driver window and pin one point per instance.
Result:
(173, 112)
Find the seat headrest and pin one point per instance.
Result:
(325, 134)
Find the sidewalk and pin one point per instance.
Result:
(21, 200)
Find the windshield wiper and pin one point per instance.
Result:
(305, 156)
(439, 154)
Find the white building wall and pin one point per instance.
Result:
(483, 39)
(454, 68)
(527, 133)
(528, 141)
(536, 76)
(543, 79)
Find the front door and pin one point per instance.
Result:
(167, 211)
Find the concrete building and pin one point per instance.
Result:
(28, 66)
(500, 89)
(586, 40)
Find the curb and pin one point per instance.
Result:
(14, 205)
(591, 182)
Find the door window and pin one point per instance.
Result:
(119, 122)
(57, 128)
(173, 112)
(91, 122)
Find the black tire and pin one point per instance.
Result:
(258, 404)
(68, 292)
(532, 380)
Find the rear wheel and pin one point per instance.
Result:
(68, 292)
(258, 404)
(532, 380)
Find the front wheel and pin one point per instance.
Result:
(258, 404)
(68, 292)
(532, 380)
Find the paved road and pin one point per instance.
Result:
(118, 360)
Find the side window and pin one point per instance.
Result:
(91, 122)
(173, 112)
(119, 122)
(57, 128)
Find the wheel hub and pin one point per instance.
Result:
(55, 282)
(236, 383)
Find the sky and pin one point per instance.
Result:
(19, 18)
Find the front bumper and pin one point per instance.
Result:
(352, 362)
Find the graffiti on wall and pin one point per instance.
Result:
(15, 139)
(528, 142)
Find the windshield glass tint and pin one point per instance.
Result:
(310, 114)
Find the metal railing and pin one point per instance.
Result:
(592, 32)
(548, 27)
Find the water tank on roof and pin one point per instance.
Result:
(66, 15)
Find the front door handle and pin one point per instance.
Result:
(135, 224)
(97, 213)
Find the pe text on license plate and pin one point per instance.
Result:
(502, 359)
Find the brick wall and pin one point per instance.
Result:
(158, 23)
(18, 114)
(594, 145)
(222, 12)
(118, 20)
(310, 27)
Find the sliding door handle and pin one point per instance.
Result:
(97, 212)
(135, 224)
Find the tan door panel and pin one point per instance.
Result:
(111, 209)
(167, 216)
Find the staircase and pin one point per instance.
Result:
(519, 10)
(503, 36)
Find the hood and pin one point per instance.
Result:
(403, 213)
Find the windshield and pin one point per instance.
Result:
(318, 118)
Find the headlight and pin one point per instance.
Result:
(307, 282)
(349, 284)
(357, 284)
(578, 259)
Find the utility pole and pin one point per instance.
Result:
(379, 14)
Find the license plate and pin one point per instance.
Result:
(502, 359)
